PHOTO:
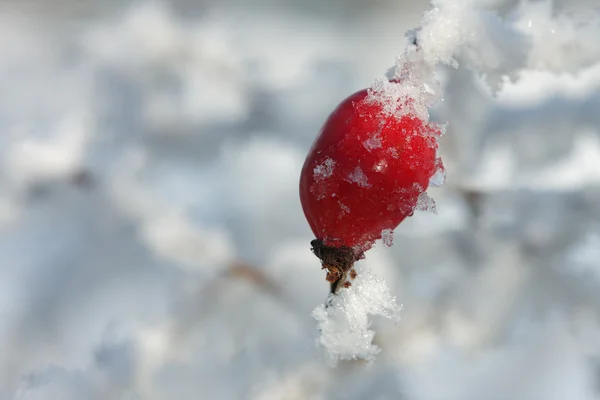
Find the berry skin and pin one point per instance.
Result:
(364, 174)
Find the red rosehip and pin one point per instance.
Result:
(364, 175)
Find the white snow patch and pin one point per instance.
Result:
(408, 97)
(345, 324)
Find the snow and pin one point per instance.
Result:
(345, 322)
(344, 207)
(439, 176)
(325, 170)
(321, 173)
(153, 246)
(373, 142)
(380, 166)
(358, 176)
(387, 237)
(426, 203)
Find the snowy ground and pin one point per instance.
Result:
(152, 240)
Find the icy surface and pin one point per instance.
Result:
(345, 325)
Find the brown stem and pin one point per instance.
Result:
(338, 261)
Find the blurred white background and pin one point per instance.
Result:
(152, 240)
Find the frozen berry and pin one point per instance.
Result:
(363, 176)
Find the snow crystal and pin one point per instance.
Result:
(345, 324)
(321, 172)
(452, 27)
(393, 152)
(439, 176)
(380, 166)
(387, 236)
(344, 207)
(408, 97)
(426, 203)
(358, 177)
(450, 30)
(324, 170)
(372, 143)
(444, 28)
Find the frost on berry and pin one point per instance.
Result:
(358, 176)
(320, 188)
(380, 166)
(344, 210)
(439, 175)
(426, 203)
(345, 323)
(387, 237)
(372, 143)
(344, 207)
(324, 170)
